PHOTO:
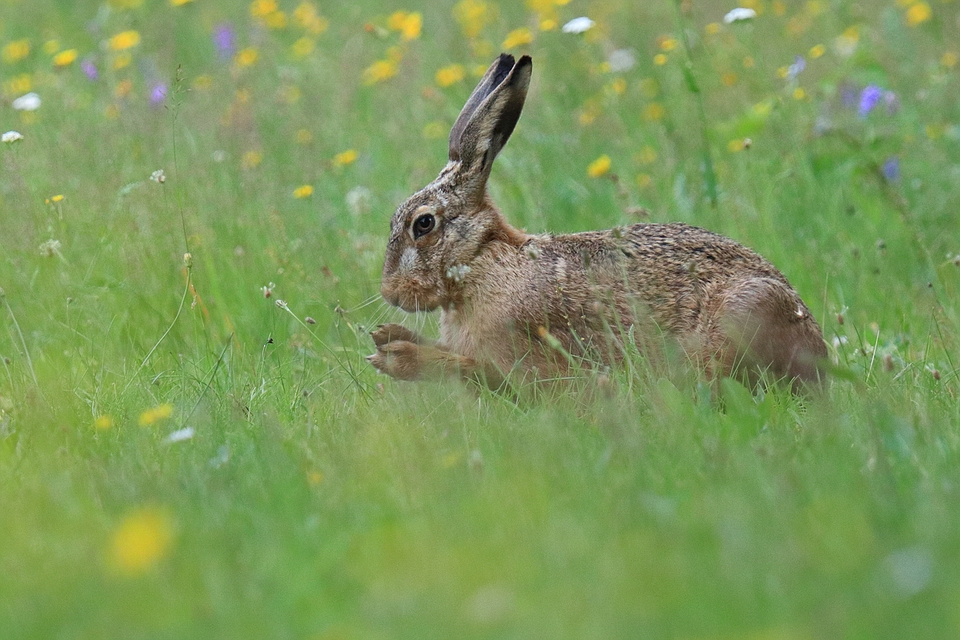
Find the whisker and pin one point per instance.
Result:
(366, 303)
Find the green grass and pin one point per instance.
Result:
(317, 499)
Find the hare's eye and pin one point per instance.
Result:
(423, 225)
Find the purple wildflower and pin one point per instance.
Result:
(158, 94)
(223, 39)
(799, 64)
(89, 68)
(869, 98)
(891, 169)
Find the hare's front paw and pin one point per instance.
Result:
(386, 333)
(398, 359)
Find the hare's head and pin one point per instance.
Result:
(438, 231)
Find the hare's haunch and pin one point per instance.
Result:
(535, 304)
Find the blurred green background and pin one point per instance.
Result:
(182, 457)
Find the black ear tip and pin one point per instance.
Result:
(505, 58)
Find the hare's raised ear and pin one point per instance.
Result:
(490, 115)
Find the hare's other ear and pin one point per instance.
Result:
(490, 81)
(491, 122)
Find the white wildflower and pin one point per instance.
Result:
(739, 14)
(158, 176)
(27, 102)
(180, 435)
(578, 25)
(11, 136)
(359, 200)
(622, 60)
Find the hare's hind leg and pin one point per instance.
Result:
(765, 326)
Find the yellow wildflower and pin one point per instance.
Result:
(307, 17)
(648, 155)
(518, 38)
(141, 541)
(344, 158)
(124, 40)
(814, 8)
(407, 23)
(50, 47)
(654, 111)
(19, 84)
(729, 79)
(304, 13)
(303, 47)
(304, 191)
(314, 478)
(473, 16)
(918, 14)
(763, 108)
(660, 59)
(156, 414)
(202, 82)
(123, 89)
(799, 93)
(817, 50)
(779, 8)
(748, 62)
(735, 145)
(122, 60)
(619, 86)
(667, 43)
(65, 58)
(180, 3)
(55, 199)
(599, 167)
(304, 136)
(435, 130)
(712, 29)
(949, 59)
(251, 159)
(449, 75)
(262, 8)
(644, 180)
(379, 71)
(246, 57)
(104, 422)
(276, 20)
(934, 131)
(16, 50)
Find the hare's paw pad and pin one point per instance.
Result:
(387, 333)
(398, 359)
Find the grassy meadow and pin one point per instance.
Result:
(192, 224)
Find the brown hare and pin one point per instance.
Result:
(535, 305)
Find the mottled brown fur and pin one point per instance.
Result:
(533, 304)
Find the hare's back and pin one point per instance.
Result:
(678, 247)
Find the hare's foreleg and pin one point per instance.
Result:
(408, 360)
(391, 332)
